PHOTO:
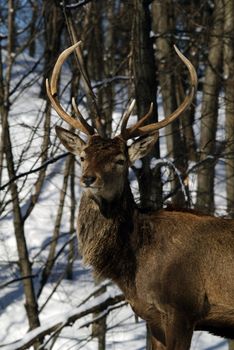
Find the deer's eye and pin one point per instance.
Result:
(81, 159)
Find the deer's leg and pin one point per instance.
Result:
(179, 332)
(156, 345)
(157, 336)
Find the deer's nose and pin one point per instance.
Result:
(89, 180)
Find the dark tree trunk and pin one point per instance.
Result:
(54, 25)
(144, 73)
(229, 101)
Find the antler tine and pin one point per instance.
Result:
(81, 118)
(51, 88)
(139, 130)
(128, 112)
(133, 131)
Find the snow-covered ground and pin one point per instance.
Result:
(124, 330)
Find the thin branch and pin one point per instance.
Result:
(44, 165)
(77, 5)
(16, 280)
(104, 314)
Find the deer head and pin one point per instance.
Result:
(105, 161)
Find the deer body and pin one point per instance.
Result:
(175, 268)
(168, 264)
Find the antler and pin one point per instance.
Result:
(126, 133)
(51, 88)
(138, 129)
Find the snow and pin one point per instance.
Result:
(123, 329)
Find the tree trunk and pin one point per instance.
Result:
(109, 67)
(51, 259)
(229, 101)
(99, 327)
(162, 26)
(163, 21)
(72, 244)
(228, 63)
(54, 25)
(24, 261)
(32, 45)
(211, 87)
(144, 73)
(191, 20)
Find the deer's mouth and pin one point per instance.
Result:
(91, 187)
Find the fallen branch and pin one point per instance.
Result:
(97, 305)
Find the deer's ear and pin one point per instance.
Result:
(142, 146)
(71, 141)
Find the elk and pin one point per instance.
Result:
(175, 268)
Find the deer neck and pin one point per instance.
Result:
(121, 206)
(105, 232)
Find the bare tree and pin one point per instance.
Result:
(228, 73)
(228, 60)
(144, 73)
(54, 25)
(164, 26)
(31, 305)
(209, 114)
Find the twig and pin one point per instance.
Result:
(78, 4)
(44, 165)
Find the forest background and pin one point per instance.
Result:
(128, 52)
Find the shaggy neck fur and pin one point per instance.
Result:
(105, 232)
